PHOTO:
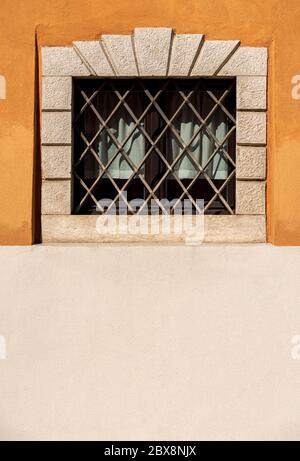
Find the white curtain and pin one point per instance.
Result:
(203, 145)
(186, 123)
(121, 124)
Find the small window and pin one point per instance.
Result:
(154, 139)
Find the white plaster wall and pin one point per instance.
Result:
(149, 342)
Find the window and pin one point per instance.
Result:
(154, 139)
(171, 119)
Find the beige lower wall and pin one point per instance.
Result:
(149, 342)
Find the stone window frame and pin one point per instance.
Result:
(155, 52)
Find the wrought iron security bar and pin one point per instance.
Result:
(153, 139)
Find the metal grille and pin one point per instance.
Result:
(155, 110)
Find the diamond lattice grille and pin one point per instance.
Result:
(153, 140)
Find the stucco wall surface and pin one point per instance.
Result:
(149, 343)
(26, 26)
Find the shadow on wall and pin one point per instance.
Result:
(36, 182)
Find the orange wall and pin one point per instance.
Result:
(272, 23)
